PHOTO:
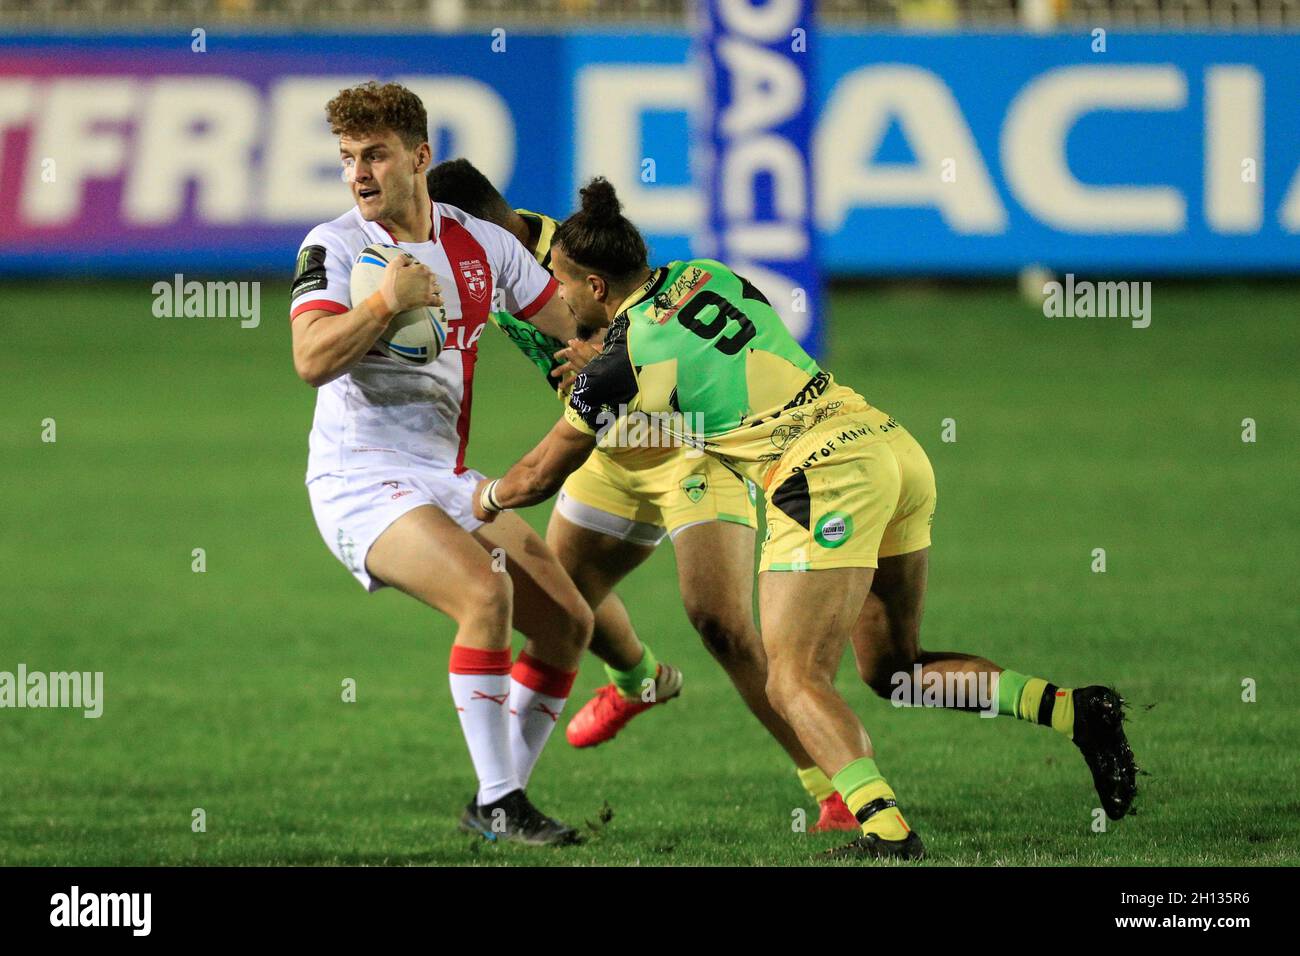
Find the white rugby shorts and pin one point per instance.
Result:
(353, 508)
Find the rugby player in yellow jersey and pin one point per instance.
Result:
(849, 497)
(618, 506)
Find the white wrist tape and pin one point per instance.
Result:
(488, 499)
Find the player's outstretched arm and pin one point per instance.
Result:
(536, 476)
(555, 319)
(325, 345)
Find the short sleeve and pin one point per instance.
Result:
(523, 284)
(607, 388)
(321, 276)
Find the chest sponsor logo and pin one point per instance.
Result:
(475, 275)
(463, 335)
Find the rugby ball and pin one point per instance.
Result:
(414, 337)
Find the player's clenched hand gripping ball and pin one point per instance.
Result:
(417, 331)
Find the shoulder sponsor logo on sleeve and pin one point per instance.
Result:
(309, 272)
(475, 276)
(834, 529)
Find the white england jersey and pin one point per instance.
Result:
(382, 411)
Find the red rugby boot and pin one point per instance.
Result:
(602, 717)
(835, 815)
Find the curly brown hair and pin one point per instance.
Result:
(370, 107)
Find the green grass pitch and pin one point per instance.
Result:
(223, 688)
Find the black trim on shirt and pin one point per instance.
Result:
(608, 384)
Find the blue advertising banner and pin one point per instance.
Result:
(753, 153)
(966, 154)
(930, 154)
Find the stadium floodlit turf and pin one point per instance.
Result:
(223, 688)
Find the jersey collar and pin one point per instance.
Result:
(652, 285)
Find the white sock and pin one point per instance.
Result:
(537, 695)
(480, 688)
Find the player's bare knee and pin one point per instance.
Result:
(576, 625)
(873, 621)
(786, 687)
(880, 671)
(726, 638)
(486, 598)
(565, 629)
(777, 691)
(589, 582)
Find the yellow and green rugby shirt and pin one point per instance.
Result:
(704, 348)
(538, 347)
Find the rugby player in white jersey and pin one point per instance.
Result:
(386, 473)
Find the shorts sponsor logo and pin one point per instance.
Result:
(695, 487)
(783, 436)
(834, 529)
(347, 550)
(398, 492)
(862, 431)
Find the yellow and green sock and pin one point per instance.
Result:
(816, 782)
(1036, 700)
(631, 682)
(871, 800)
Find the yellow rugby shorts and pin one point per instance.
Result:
(853, 489)
(668, 489)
